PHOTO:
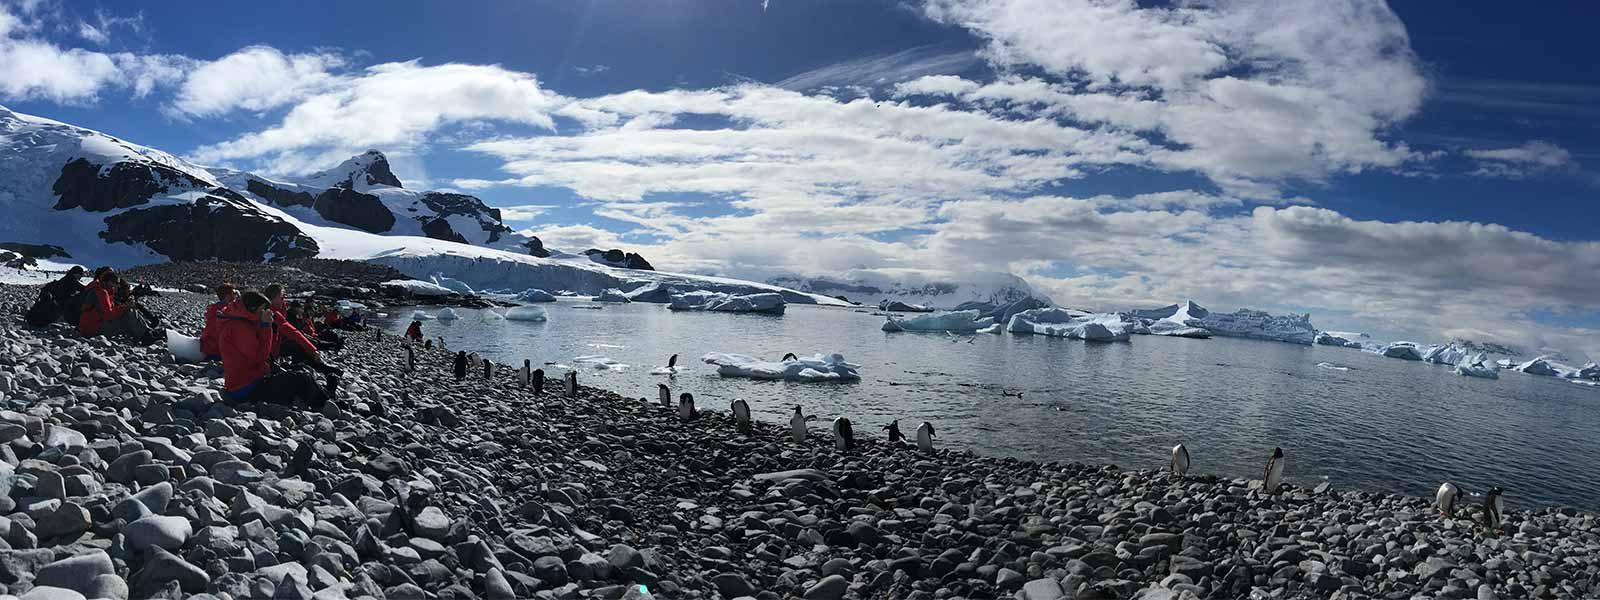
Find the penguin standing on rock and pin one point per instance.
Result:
(925, 437)
(741, 415)
(1272, 476)
(1492, 509)
(461, 365)
(844, 437)
(1448, 492)
(797, 426)
(527, 372)
(664, 395)
(895, 437)
(686, 407)
(1180, 460)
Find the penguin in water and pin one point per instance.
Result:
(925, 437)
(1492, 509)
(672, 364)
(844, 438)
(1180, 460)
(741, 415)
(788, 356)
(797, 426)
(895, 437)
(686, 407)
(1272, 476)
(1448, 492)
(461, 365)
(664, 395)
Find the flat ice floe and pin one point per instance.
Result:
(815, 368)
(526, 313)
(599, 362)
(958, 321)
(417, 288)
(766, 303)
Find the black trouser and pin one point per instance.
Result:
(285, 387)
(330, 340)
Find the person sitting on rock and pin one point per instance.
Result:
(327, 339)
(226, 294)
(101, 316)
(292, 344)
(247, 337)
(414, 331)
(58, 300)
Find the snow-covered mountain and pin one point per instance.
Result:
(934, 289)
(105, 201)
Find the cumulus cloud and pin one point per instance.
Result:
(522, 212)
(254, 79)
(1518, 162)
(32, 68)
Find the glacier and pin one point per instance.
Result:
(959, 321)
(817, 368)
(767, 303)
(1402, 350)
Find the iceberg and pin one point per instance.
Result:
(1245, 323)
(1589, 371)
(1001, 313)
(813, 369)
(412, 287)
(995, 329)
(898, 306)
(960, 321)
(1477, 366)
(766, 303)
(1402, 350)
(654, 292)
(454, 285)
(1448, 354)
(535, 295)
(1185, 321)
(1538, 366)
(418, 315)
(1342, 339)
(612, 295)
(1067, 323)
(184, 348)
(526, 313)
(447, 314)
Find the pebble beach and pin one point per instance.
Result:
(127, 475)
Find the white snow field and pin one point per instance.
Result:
(815, 368)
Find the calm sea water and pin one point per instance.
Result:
(1383, 425)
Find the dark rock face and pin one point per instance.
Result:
(445, 205)
(378, 172)
(349, 207)
(124, 185)
(439, 229)
(277, 195)
(618, 258)
(536, 247)
(36, 250)
(220, 226)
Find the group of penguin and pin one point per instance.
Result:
(1489, 512)
(843, 432)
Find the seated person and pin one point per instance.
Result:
(226, 294)
(58, 300)
(247, 337)
(101, 315)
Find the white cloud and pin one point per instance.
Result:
(522, 212)
(254, 79)
(32, 68)
(883, 69)
(1518, 162)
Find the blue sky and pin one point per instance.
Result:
(1393, 168)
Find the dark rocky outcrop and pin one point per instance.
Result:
(277, 195)
(36, 250)
(86, 185)
(349, 207)
(446, 204)
(618, 258)
(219, 226)
(440, 229)
(536, 247)
(378, 172)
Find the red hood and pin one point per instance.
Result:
(236, 310)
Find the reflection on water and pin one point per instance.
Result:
(1381, 425)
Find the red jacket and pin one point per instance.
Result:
(332, 318)
(414, 331)
(246, 345)
(102, 310)
(287, 331)
(208, 333)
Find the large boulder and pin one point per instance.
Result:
(349, 207)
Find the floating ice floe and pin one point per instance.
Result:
(898, 306)
(1402, 350)
(654, 292)
(1067, 323)
(417, 288)
(1538, 366)
(1332, 367)
(419, 315)
(1448, 354)
(815, 368)
(1477, 366)
(1343, 339)
(447, 314)
(526, 313)
(1589, 371)
(454, 285)
(612, 295)
(766, 303)
(995, 329)
(535, 295)
(183, 347)
(600, 362)
(967, 321)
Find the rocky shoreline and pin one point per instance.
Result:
(127, 476)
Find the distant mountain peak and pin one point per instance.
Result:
(363, 170)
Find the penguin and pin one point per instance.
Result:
(411, 359)
(741, 415)
(527, 366)
(664, 395)
(538, 382)
(427, 344)
(895, 437)
(1272, 476)
(844, 437)
(1492, 509)
(488, 369)
(686, 407)
(1447, 499)
(672, 363)
(461, 365)
(572, 383)
(1180, 460)
(797, 426)
(788, 356)
(925, 437)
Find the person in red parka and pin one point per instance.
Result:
(226, 294)
(414, 331)
(246, 336)
(102, 315)
(290, 341)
